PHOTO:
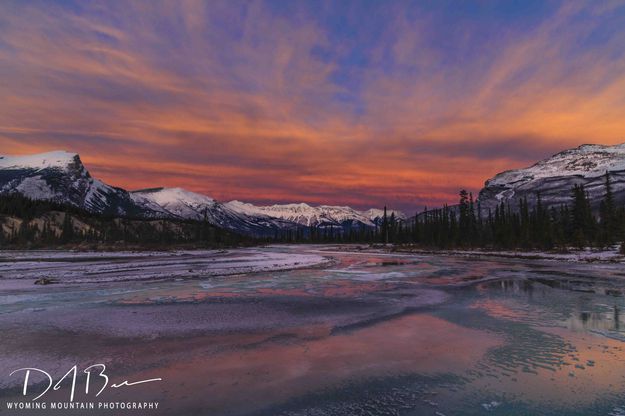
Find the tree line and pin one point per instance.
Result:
(464, 225)
(467, 226)
(27, 222)
(525, 226)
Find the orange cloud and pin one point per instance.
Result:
(240, 101)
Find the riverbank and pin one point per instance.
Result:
(88, 267)
(587, 255)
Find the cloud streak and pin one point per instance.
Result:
(365, 104)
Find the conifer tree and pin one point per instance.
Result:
(385, 227)
(67, 230)
(607, 214)
(583, 223)
(464, 223)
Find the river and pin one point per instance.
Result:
(316, 330)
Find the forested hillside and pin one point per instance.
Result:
(28, 223)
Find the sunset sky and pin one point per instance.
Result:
(362, 103)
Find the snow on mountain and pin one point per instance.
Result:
(57, 159)
(377, 215)
(306, 215)
(555, 176)
(183, 204)
(175, 202)
(61, 177)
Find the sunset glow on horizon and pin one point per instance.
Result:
(360, 103)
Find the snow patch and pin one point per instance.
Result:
(303, 213)
(56, 159)
(375, 214)
(36, 188)
(588, 161)
(177, 201)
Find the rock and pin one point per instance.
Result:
(555, 177)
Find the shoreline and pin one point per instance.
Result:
(586, 255)
(574, 256)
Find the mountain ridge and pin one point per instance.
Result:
(553, 178)
(61, 177)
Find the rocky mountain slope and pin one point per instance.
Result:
(555, 176)
(377, 215)
(306, 215)
(62, 178)
(180, 203)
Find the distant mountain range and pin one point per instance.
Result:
(61, 177)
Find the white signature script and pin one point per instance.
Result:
(99, 373)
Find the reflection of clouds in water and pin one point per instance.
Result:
(342, 340)
(366, 275)
(276, 371)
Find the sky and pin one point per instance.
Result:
(360, 103)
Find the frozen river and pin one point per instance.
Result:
(317, 330)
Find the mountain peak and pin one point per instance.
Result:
(375, 214)
(587, 160)
(61, 177)
(167, 196)
(589, 147)
(554, 177)
(54, 159)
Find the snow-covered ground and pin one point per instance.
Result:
(84, 267)
(587, 255)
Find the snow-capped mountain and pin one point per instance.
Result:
(61, 177)
(555, 176)
(183, 204)
(306, 215)
(377, 215)
(175, 202)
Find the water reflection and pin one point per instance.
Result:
(374, 334)
(580, 305)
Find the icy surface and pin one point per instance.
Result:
(588, 255)
(101, 267)
(365, 333)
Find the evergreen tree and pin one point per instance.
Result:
(607, 213)
(385, 227)
(464, 221)
(583, 222)
(67, 230)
